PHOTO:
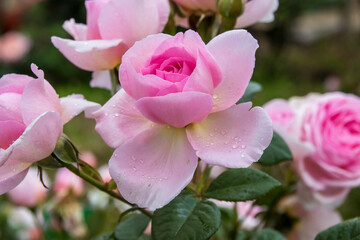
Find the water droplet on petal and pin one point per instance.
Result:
(234, 146)
(215, 96)
(133, 158)
(242, 155)
(116, 114)
(243, 146)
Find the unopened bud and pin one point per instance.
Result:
(230, 8)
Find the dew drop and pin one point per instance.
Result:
(223, 132)
(160, 179)
(212, 144)
(141, 161)
(234, 146)
(243, 146)
(134, 168)
(166, 178)
(133, 158)
(211, 135)
(215, 96)
(116, 114)
(226, 143)
(242, 155)
(106, 114)
(113, 105)
(236, 138)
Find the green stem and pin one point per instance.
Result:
(114, 81)
(99, 185)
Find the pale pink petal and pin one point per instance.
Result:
(131, 27)
(93, 55)
(153, 168)
(10, 131)
(176, 109)
(76, 30)
(17, 79)
(163, 9)
(144, 48)
(206, 75)
(118, 120)
(232, 138)
(101, 79)
(234, 52)
(10, 107)
(9, 181)
(257, 11)
(74, 104)
(38, 97)
(138, 85)
(37, 142)
(93, 10)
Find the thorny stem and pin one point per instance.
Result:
(98, 185)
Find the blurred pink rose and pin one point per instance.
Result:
(66, 182)
(330, 124)
(30, 192)
(13, 46)
(25, 223)
(254, 11)
(112, 27)
(31, 122)
(178, 104)
(89, 158)
(246, 211)
(310, 221)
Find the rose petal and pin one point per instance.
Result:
(8, 182)
(74, 104)
(10, 107)
(118, 120)
(206, 75)
(232, 138)
(131, 27)
(38, 97)
(176, 109)
(10, 131)
(142, 51)
(153, 168)
(93, 10)
(14, 79)
(37, 142)
(257, 11)
(234, 52)
(92, 55)
(101, 79)
(76, 30)
(138, 85)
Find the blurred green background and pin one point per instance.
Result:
(312, 46)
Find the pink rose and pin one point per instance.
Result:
(30, 192)
(31, 122)
(310, 221)
(330, 124)
(254, 11)
(13, 46)
(178, 104)
(66, 182)
(113, 26)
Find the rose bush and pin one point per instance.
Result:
(330, 125)
(31, 122)
(178, 104)
(112, 27)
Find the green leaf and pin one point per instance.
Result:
(132, 227)
(49, 163)
(108, 236)
(250, 92)
(268, 234)
(278, 151)
(186, 218)
(65, 151)
(348, 230)
(241, 184)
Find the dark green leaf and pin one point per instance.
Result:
(268, 234)
(278, 151)
(65, 151)
(250, 92)
(241, 184)
(186, 218)
(132, 227)
(348, 230)
(108, 236)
